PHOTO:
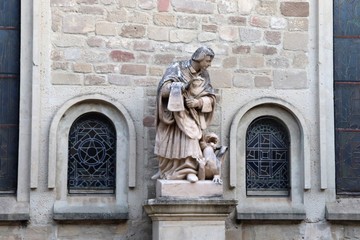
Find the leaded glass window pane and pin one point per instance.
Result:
(92, 155)
(347, 95)
(267, 158)
(9, 93)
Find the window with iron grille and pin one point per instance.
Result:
(347, 96)
(9, 94)
(92, 155)
(267, 158)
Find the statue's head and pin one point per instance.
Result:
(201, 53)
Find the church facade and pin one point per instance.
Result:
(79, 80)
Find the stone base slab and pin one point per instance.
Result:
(187, 190)
(180, 219)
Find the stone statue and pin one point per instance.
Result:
(185, 107)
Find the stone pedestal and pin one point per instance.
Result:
(184, 210)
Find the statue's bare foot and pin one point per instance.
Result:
(156, 175)
(191, 177)
(217, 180)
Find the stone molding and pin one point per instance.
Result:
(267, 207)
(165, 209)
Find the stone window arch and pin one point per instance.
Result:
(92, 206)
(282, 205)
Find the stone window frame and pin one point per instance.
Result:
(337, 208)
(97, 206)
(17, 207)
(271, 208)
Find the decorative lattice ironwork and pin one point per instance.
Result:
(92, 155)
(267, 158)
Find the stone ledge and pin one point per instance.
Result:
(11, 210)
(66, 212)
(186, 190)
(343, 210)
(189, 209)
(271, 213)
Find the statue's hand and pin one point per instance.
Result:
(193, 103)
(202, 161)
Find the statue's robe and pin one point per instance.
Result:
(178, 134)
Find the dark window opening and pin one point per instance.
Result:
(347, 96)
(9, 94)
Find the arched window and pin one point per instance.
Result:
(92, 155)
(267, 158)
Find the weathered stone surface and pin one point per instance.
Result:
(229, 34)
(243, 81)
(242, 49)
(226, 6)
(245, 6)
(261, 22)
(230, 62)
(158, 33)
(133, 69)
(105, 68)
(144, 46)
(206, 36)
(220, 78)
(119, 80)
(268, 8)
(237, 20)
(262, 81)
(187, 22)
(295, 9)
(298, 24)
(149, 121)
(163, 5)
(164, 19)
(78, 24)
(92, 10)
(265, 50)
(132, 31)
(163, 59)
(193, 6)
(95, 80)
(210, 28)
(296, 41)
(273, 37)
(66, 78)
(251, 61)
(250, 35)
(95, 41)
(278, 62)
(286, 79)
(117, 15)
(121, 56)
(184, 36)
(82, 67)
(185, 189)
(127, 3)
(278, 23)
(105, 28)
